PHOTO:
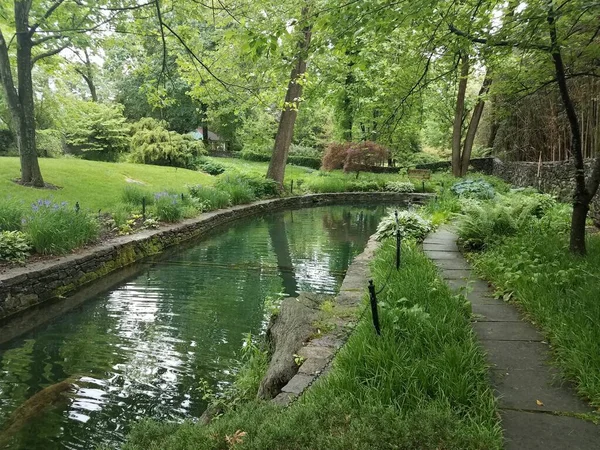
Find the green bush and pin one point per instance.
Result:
(410, 224)
(134, 195)
(237, 188)
(362, 186)
(58, 229)
(484, 223)
(168, 207)
(14, 246)
(152, 143)
(262, 187)
(209, 167)
(209, 198)
(250, 155)
(400, 186)
(7, 140)
(323, 182)
(478, 189)
(49, 143)
(305, 161)
(97, 131)
(11, 212)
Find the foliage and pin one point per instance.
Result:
(7, 139)
(362, 186)
(50, 143)
(14, 246)
(354, 156)
(58, 228)
(262, 187)
(151, 143)
(479, 189)
(210, 167)
(238, 189)
(400, 186)
(306, 161)
(96, 130)
(134, 194)
(422, 384)
(11, 212)
(208, 197)
(411, 225)
(168, 207)
(558, 291)
(250, 155)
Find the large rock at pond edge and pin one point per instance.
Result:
(287, 332)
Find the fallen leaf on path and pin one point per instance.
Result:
(539, 403)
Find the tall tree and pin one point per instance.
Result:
(293, 96)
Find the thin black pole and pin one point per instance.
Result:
(292, 187)
(398, 249)
(144, 208)
(374, 311)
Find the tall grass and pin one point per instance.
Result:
(237, 188)
(135, 195)
(420, 385)
(208, 197)
(11, 212)
(58, 228)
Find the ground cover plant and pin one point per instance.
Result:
(420, 385)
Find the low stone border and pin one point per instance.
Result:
(36, 283)
(319, 352)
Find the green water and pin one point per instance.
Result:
(143, 346)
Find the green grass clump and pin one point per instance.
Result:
(58, 228)
(208, 197)
(11, 213)
(420, 385)
(168, 207)
(238, 189)
(135, 195)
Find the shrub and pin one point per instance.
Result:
(134, 195)
(58, 229)
(484, 223)
(168, 207)
(209, 167)
(11, 212)
(400, 186)
(209, 198)
(49, 143)
(478, 189)
(410, 224)
(362, 186)
(306, 161)
(250, 155)
(14, 246)
(354, 156)
(152, 143)
(325, 183)
(237, 188)
(262, 187)
(96, 130)
(7, 140)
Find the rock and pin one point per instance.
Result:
(288, 330)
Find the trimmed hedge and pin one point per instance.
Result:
(305, 161)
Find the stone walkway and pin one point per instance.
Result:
(537, 410)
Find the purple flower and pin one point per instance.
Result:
(35, 207)
(47, 203)
(23, 221)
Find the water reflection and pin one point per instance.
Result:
(141, 348)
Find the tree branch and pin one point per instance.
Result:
(49, 53)
(491, 42)
(48, 13)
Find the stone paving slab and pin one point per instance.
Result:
(506, 331)
(541, 431)
(522, 389)
(500, 312)
(535, 407)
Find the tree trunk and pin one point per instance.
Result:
(347, 113)
(581, 197)
(205, 138)
(458, 116)
(474, 125)
(285, 132)
(20, 102)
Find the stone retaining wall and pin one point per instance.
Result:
(555, 178)
(22, 288)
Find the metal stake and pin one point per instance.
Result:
(374, 311)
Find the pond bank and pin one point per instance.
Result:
(24, 287)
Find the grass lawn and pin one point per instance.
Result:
(420, 385)
(95, 185)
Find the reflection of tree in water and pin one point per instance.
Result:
(281, 247)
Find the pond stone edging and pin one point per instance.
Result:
(318, 353)
(24, 287)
